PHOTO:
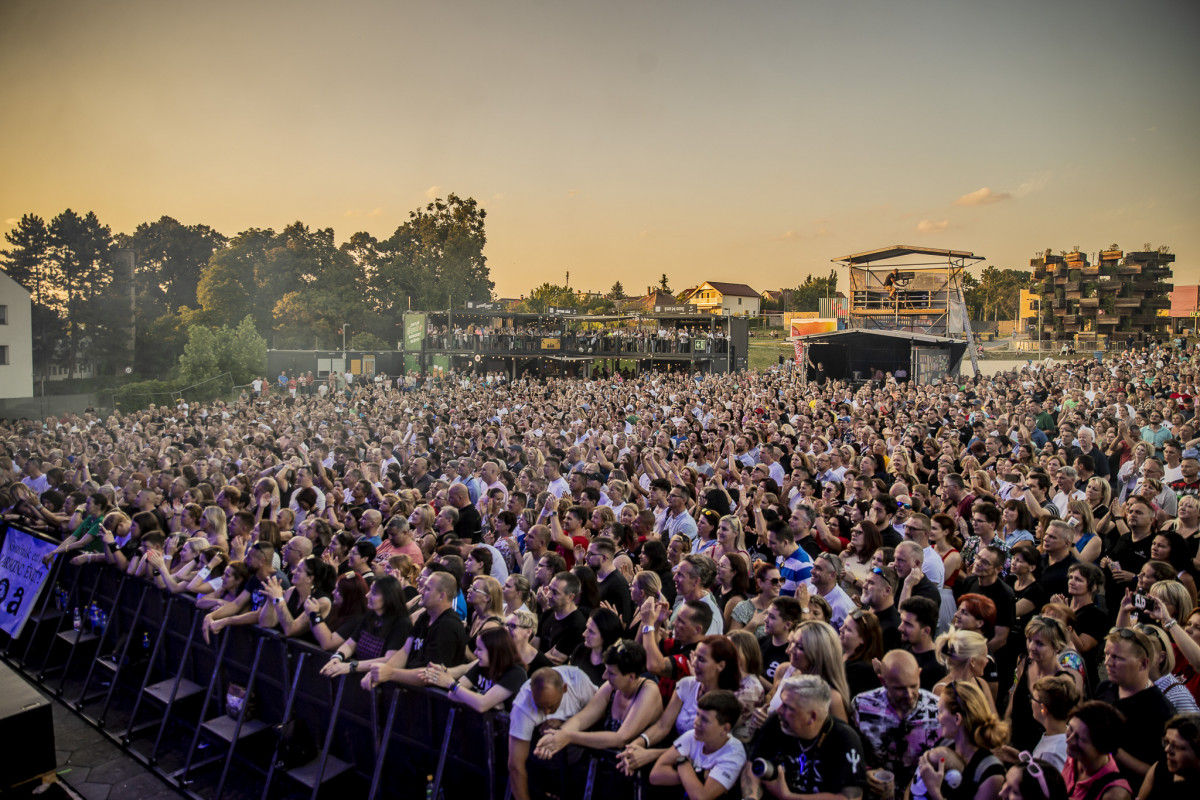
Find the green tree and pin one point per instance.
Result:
(807, 296)
(996, 295)
(549, 295)
(28, 263)
(616, 292)
(81, 266)
(210, 352)
(170, 258)
(228, 289)
(663, 284)
(436, 258)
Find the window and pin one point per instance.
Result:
(3, 315)
(3, 355)
(739, 301)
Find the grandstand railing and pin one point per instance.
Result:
(581, 344)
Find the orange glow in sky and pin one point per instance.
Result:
(738, 141)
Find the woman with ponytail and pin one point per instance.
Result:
(973, 730)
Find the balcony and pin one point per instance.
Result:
(1089, 302)
(1073, 286)
(1129, 302)
(1090, 270)
(573, 344)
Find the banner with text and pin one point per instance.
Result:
(21, 577)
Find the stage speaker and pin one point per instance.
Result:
(26, 731)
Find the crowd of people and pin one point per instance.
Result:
(632, 338)
(744, 585)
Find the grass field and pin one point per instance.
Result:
(765, 353)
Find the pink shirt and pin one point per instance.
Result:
(1077, 790)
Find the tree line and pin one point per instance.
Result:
(132, 299)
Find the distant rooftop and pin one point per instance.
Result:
(902, 250)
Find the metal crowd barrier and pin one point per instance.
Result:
(150, 683)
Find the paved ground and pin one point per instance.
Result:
(96, 769)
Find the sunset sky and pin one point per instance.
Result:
(738, 141)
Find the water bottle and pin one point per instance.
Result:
(78, 620)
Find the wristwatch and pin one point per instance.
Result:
(353, 665)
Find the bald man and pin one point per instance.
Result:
(371, 527)
(469, 527)
(898, 721)
(296, 550)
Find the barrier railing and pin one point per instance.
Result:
(150, 683)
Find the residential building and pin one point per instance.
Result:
(16, 340)
(732, 299)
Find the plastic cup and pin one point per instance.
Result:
(887, 782)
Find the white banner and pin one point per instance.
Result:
(21, 577)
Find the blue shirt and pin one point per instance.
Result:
(795, 570)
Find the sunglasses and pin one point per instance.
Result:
(1034, 769)
(772, 581)
(1130, 635)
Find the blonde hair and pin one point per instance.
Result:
(739, 533)
(1176, 594)
(649, 582)
(986, 729)
(495, 593)
(216, 516)
(959, 646)
(823, 649)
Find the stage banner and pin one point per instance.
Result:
(21, 577)
(799, 353)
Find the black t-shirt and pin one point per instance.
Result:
(891, 537)
(1091, 620)
(1054, 578)
(469, 527)
(772, 656)
(444, 641)
(582, 657)
(889, 621)
(931, 670)
(563, 634)
(982, 766)
(1036, 594)
(615, 589)
(1145, 715)
(512, 679)
(834, 760)
(1132, 556)
(929, 590)
(374, 635)
(861, 677)
(998, 592)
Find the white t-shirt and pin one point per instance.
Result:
(933, 566)
(688, 690)
(1052, 749)
(841, 603)
(558, 487)
(724, 764)
(525, 715)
